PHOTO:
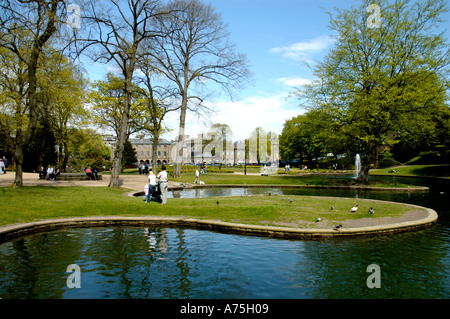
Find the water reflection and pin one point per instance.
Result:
(213, 192)
(127, 262)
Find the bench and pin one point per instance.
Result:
(75, 176)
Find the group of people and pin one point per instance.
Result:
(152, 185)
(264, 173)
(143, 168)
(3, 165)
(50, 173)
(92, 173)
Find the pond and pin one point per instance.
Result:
(178, 263)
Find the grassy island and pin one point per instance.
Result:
(39, 202)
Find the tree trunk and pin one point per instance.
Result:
(36, 50)
(155, 150)
(179, 151)
(65, 157)
(18, 161)
(117, 163)
(122, 138)
(41, 153)
(363, 175)
(18, 156)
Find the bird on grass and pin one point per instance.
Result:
(217, 202)
(371, 210)
(354, 209)
(291, 200)
(318, 220)
(337, 227)
(332, 208)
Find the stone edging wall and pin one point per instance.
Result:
(12, 231)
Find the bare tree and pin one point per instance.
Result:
(117, 32)
(158, 100)
(197, 52)
(37, 21)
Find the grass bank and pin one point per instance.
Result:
(37, 203)
(442, 171)
(312, 179)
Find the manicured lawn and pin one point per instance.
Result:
(416, 170)
(37, 203)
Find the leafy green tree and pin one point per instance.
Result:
(6, 146)
(129, 154)
(374, 79)
(61, 98)
(291, 146)
(13, 91)
(26, 27)
(41, 150)
(432, 133)
(85, 146)
(107, 99)
(259, 146)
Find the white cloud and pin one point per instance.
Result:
(268, 112)
(293, 81)
(304, 51)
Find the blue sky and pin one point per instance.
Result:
(278, 37)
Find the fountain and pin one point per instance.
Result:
(357, 165)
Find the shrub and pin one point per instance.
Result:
(431, 157)
(388, 162)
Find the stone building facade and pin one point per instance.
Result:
(144, 148)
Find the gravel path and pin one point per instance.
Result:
(134, 182)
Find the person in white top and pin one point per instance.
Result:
(162, 176)
(197, 177)
(151, 179)
(50, 173)
(151, 185)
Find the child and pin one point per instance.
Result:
(147, 194)
(197, 177)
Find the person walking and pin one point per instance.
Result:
(164, 183)
(5, 163)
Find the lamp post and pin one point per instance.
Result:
(245, 157)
